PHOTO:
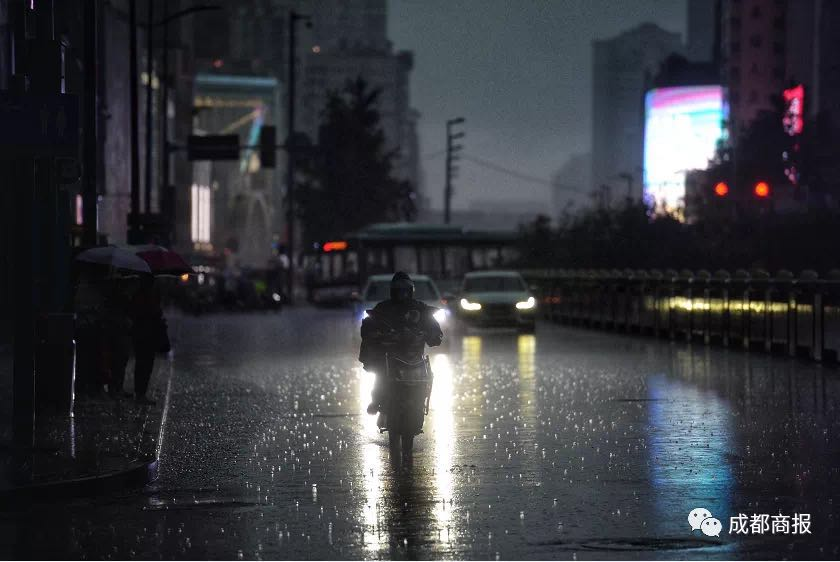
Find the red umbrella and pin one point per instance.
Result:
(162, 261)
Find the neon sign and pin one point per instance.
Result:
(793, 121)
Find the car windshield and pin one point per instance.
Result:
(381, 290)
(490, 284)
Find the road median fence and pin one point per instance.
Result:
(794, 315)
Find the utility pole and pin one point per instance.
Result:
(147, 199)
(452, 150)
(133, 235)
(89, 195)
(164, 133)
(294, 18)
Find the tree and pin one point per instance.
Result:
(348, 182)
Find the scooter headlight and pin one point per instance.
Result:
(440, 316)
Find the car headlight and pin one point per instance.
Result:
(440, 316)
(467, 305)
(527, 305)
(365, 314)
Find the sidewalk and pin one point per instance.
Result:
(108, 444)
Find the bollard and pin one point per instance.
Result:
(757, 334)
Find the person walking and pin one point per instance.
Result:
(117, 333)
(149, 335)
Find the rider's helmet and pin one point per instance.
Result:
(402, 287)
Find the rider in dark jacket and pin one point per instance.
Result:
(406, 323)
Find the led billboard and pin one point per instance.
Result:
(683, 125)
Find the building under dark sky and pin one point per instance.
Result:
(521, 75)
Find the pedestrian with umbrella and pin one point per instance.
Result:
(149, 326)
(102, 324)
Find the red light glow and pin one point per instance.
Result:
(721, 189)
(335, 246)
(762, 189)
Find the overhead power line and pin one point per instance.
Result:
(519, 175)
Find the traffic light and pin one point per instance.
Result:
(268, 148)
(762, 190)
(721, 189)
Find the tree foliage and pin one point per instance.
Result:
(348, 182)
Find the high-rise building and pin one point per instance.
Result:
(702, 26)
(770, 46)
(349, 40)
(622, 69)
(754, 48)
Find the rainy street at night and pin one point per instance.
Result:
(565, 443)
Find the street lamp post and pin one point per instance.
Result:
(294, 18)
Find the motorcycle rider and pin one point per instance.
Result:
(401, 320)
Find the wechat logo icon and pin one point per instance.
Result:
(701, 518)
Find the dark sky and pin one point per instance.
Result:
(519, 71)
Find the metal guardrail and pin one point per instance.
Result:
(792, 315)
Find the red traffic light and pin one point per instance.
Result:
(721, 189)
(762, 189)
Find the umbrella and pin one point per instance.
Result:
(162, 261)
(114, 257)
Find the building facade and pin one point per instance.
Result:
(754, 48)
(622, 69)
(340, 41)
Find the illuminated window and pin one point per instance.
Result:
(200, 213)
(79, 209)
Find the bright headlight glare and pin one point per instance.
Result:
(467, 305)
(440, 316)
(525, 305)
(365, 314)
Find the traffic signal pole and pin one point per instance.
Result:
(294, 18)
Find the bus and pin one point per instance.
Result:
(335, 270)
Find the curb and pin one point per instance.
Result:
(138, 474)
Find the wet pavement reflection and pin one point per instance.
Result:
(563, 444)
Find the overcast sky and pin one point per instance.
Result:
(519, 71)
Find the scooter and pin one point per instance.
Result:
(409, 378)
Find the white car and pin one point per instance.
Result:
(378, 289)
(497, 298)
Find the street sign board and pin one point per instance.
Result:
(213, 147)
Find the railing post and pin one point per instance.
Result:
(793, 320)
(818, 319)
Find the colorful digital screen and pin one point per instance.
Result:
(793, 121)
(683, 125)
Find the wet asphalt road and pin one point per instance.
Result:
(564, 444)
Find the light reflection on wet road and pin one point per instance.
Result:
(562, 444)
